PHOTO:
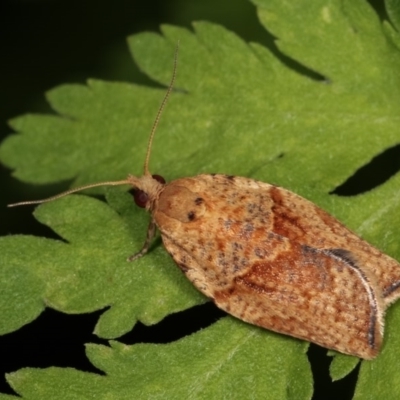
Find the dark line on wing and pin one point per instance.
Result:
(391, 289)
(348, 258)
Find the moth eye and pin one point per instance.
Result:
(159, 178)
(141, 198)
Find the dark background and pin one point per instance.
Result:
(44, 43)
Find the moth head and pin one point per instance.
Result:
(146, 189)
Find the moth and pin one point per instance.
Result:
(268, 256)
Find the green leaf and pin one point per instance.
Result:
(228, 357)
(90, 271)
(379, 379)
(392, 27)
(393, 10)
(236, 109)
(341, 365)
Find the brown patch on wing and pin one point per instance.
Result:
(288, 222)
(311, 295)
(300, 220)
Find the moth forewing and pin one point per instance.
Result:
(245, 245)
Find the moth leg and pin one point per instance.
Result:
(151, 230)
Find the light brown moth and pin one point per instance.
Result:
(268, 256)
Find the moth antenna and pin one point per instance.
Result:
(160, 110)
(146, 163)
(67, 192)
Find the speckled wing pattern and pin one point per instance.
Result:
(274, 259)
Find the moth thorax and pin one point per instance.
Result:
(180, 203)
